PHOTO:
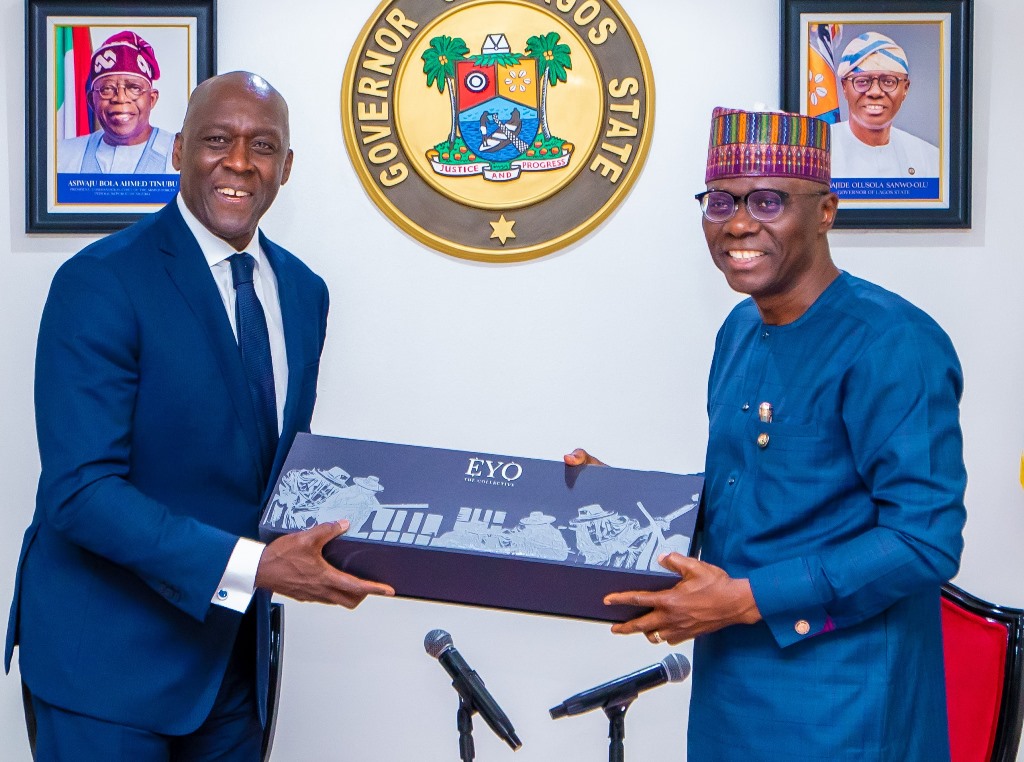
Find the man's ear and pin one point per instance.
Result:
(287, 167)
(176, 153)
(829, 208)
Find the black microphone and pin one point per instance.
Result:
(672, 669)
(470, 687)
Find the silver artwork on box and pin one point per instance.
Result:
(596, 536)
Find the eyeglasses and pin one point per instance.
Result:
(131, 90)
(763, 204)
(862, 83)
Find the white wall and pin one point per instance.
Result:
(605, 345)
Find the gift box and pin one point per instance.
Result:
(488, 530)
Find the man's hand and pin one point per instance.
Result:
(705, 600)
(580, 457)
(294, 565)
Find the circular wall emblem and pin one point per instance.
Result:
(498, 130)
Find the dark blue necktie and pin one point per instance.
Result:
(254, 342)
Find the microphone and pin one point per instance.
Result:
(438, 644)
(673, 668)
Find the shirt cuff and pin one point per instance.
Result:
(239, 581)
(788, 601)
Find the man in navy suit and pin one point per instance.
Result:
(142, 600)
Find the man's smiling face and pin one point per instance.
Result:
(233, 154)
(875, 109)
(124, 121)
(775, 262)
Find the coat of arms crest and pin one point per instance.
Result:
(499, 124)
(498, 130)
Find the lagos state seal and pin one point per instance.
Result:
(498, 130)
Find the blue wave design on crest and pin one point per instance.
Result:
(469, 125)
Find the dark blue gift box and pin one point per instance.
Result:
(488, 530)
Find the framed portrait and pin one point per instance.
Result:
(893, 78)
(107, 88)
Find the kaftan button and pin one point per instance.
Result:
(802, 627)
(762, 440)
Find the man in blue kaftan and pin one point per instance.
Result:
(835, 483)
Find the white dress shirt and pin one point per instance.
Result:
(114, 160)
(905, 155)
(239, 581)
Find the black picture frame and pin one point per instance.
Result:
(938, 43)
(55, 204)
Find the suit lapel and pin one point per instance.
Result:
(188, 268)
(293, 338)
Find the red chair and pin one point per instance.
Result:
(984, 655)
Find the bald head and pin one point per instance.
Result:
(233, 154)
(212, 89)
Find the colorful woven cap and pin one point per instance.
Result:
(873, 52)
(768, 144)
(125, 53)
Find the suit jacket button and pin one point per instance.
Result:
(762, 440)
(802, 627)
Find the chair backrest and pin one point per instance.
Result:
(984, 662)
(274, 687)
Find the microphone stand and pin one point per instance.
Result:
(616, 713)
(464, 721)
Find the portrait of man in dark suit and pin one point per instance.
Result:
(122, 93)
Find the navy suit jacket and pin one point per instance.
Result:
(150, 472)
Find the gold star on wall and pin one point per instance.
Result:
(503, 229)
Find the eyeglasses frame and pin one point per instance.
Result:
(875, 78)
(784, 196)
(118, 89)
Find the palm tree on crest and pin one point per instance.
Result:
(554, 59)
(439, 66)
